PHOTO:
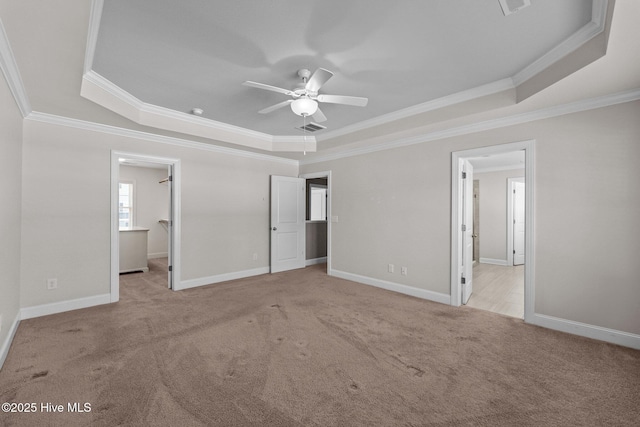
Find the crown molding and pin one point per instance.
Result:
(92, 34)
(103, 92)
(516, 119)
(163, 118)
(571, 44)
(12, 74)
(446, 101)
(129, 133)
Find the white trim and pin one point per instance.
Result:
(529, 278)
(156, 255)
(395, 287)
(568, 46)
(510, 189)
(92, 34)
(516, 119)
(585, 330)
(175, 215)
(493, 261)
(103, 92)
(203, 281)
(325, 174)
(63, 306)
(12, 73)
(129, 133)
(446, 101)
(6, 345)
(315, 261)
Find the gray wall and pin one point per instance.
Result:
(394, 206)
(66, 210)
(10, 210)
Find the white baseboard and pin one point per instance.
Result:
(396, 287)
(494, 261)
(4, 350)
(315, 261)
(613, 336)
(202, 281)
(62, 306)
(158, 255)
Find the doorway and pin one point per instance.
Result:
(460, 275)
(124, 214)
(318, 218)
(291, 232)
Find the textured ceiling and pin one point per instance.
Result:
(194, 53)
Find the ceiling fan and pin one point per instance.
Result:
(305, 96)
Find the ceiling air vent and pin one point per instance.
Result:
(512, 6)
(311, 127)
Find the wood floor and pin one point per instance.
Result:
(499, 289)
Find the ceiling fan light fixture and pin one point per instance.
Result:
(304, 107)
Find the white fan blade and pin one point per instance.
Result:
(267, 87)
(319, 117)
(319, 77)
(275, 107)
(346, 100)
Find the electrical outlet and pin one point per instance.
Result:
(255, 256)
(403, 271)
(52, 283)
(391, 268)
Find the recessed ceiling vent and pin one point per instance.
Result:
(512, 6)
(311, 127)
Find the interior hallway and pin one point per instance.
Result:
(499, 289)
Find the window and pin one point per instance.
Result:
(318, 202)
(125, 204)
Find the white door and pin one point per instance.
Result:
(518, 223)
(170, 229)
(467, 230)
(287, 223)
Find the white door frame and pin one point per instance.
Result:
(510, 212)
(465, 268)
(529, 282)
(325, 174)
(174, 248)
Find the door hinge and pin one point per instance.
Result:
(171, 268)
(463, 280)
(464, 176)
(464, 227)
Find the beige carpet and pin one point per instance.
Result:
(303, 349)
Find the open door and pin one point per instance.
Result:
(287, 223)
(467, 230)
(518, 223)
(170, 229)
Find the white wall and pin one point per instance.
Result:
(493, 212)
(394, 207)
(10, 211)
(151, 204)
(66, 210)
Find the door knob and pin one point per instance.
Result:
(274, 228)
